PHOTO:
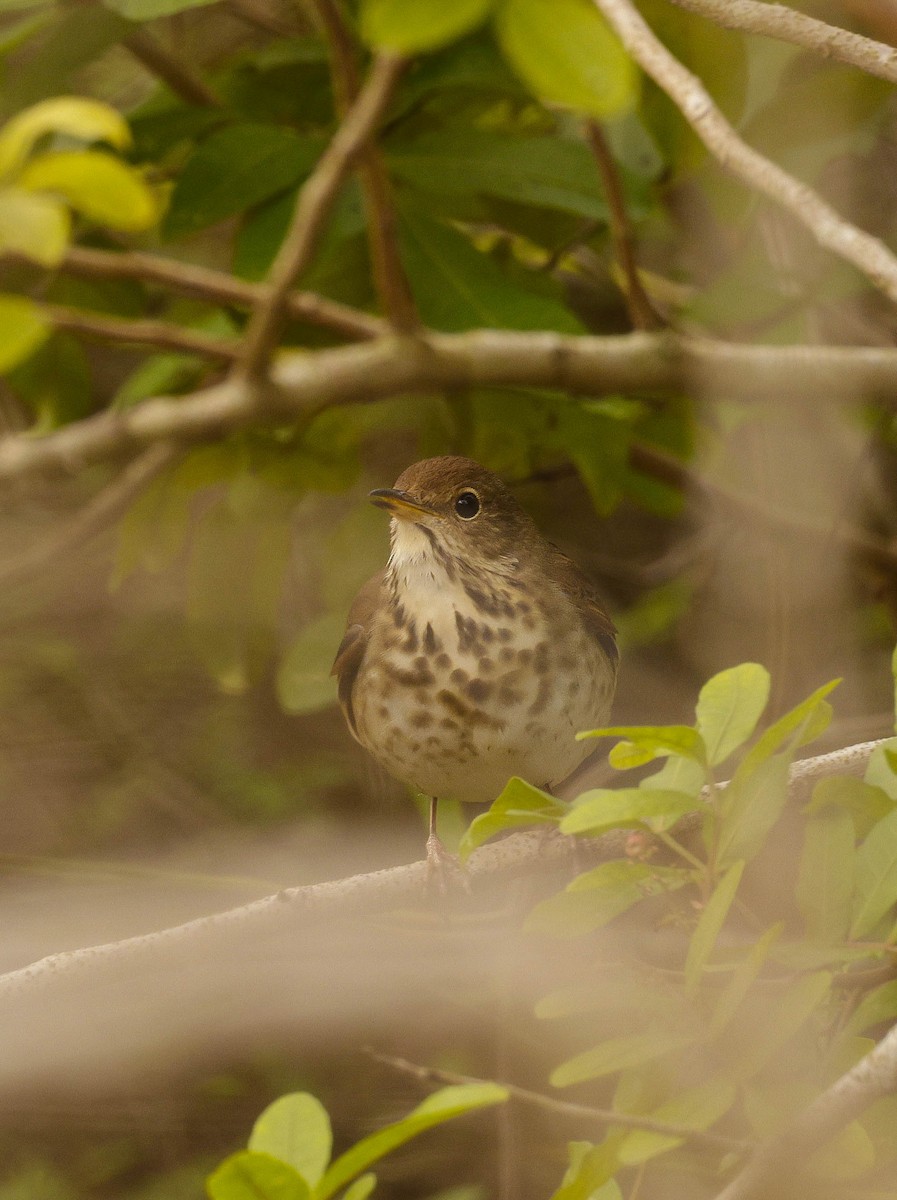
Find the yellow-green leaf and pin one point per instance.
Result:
(617, 1054)
(566, 54)
(729, 707)
(34, 225)
(876, 876)
(74, 116)
(251, 1175)
(95, 184)
(411, 27)
(695, 1108)
(22, 329)
(295, 1129)
(711, 922)
(609, 808)
(520, 805)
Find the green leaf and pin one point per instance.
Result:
(825, 882)
(456, 287)
(409, 28)
(95, 184)
(73, 116)
(878, 1007)
(876, 877)
(696, 1108)
(751, 806)
(865, 803)
(304, 683)
(296, 1130)
(150, 10)
(618, 1054)
(709, 926)
(742, 978)
(796, 728)
(235, 168)
(589, 1175)
(444, 1105)
(22, 330)
(33, 225)
(520, 805)
(566, 54)
(609, 808)
(361, 1188)
(249, 1175)
(550, 172)
(880, 771)
(645, 742)
(729, 707)
(594, 898)
(781, 1023)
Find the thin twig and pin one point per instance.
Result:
(601, 1116)
(389, 275)
(160, 62)
(637, 364)
(777, 21)
(152, 334)
(641, 312)
(215, 287)
(312, 207)
(98, 514)
(873, 1078)
(868, 254)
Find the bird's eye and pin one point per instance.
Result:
(467, 505)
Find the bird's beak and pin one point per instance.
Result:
(400, 504)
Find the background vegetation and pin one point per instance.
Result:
(181, 540)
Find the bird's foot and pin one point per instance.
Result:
(444, 871)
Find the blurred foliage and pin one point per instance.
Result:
(195, 693)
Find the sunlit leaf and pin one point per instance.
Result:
(566, 53)
(751, 805)
(878, 1007)
(22, 329)
(295, 1129)
(710, 924)
(594, 898)
(618, 1054)
(250, 1175)
(729, 707)
(519, 806)
(876, 877)
(74, 116)
(409, 28)
(444, 1105)
(796, 728)
(150, 10)
(34, 225)
(607, 808)
(645, 742)
(694, 1108)
(742, 978)
(825, 882)
(95, 184)
(361, 1188)
(589, 1175)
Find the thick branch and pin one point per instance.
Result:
(777, 21)
(519, 855)
(312, 207)
(148, 50)
(868, 254)
(873, 1078)
(155, 334)
(216, 287)
(305, 384)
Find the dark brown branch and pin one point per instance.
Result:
(312, 207)
(641, 312)
(868, 254)
(98, 514)
(638, 364)
(584, 1112)
(160, 62)
(215, 287)
(152, 334)
(777, 21)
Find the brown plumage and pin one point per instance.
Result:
(480, 650)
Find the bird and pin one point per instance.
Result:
(479, 651)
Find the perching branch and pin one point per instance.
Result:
(786, 25)
(521, 855)
(873, 1078)
(148, 50)
(312, 207)
(154, 334)
(868, 254)
(582, 1112)
(303, 385)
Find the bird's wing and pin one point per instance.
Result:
(351, 650)
(586, 598)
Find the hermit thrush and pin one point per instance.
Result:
(480, 650)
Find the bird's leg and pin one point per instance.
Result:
(443, 869)
(436, 851)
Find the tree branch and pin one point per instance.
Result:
(585, 1112)
(148, 50)
(873, 1078)
(641, 312)
(302, 385)
(153, 334)
(868, 254)
(215, 287)
(312, 207)
(516, 856)
(386, 264)
(777, 21)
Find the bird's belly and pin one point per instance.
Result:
(468, 702)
